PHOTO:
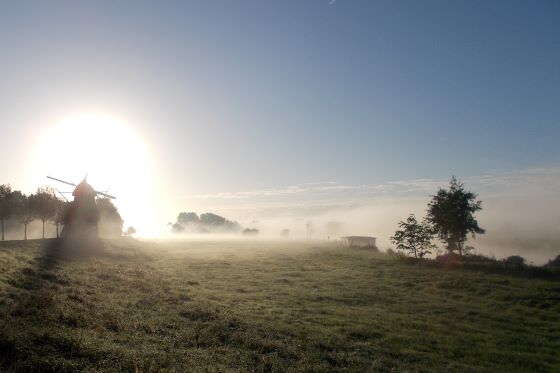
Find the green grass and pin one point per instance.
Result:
(264, 306)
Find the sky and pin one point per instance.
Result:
(214, 99)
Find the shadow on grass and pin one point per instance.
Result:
(33, 300)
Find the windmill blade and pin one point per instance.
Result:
(63, 196)
(62, 181)
(105, 195)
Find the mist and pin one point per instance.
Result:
(520, 212)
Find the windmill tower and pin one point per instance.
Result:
(82, 216)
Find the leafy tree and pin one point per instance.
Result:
(110, 221)
(250, 232)
(190, 222)
(554, 262)
(414, 237)
(515, 261)
(23, 210)
(6, 204)
(188, 218)
(177, 228)
(130, 231)
(210, 219)
(43, 204)
(61, 214)
(451, 213)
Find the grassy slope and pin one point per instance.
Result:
(264, 306)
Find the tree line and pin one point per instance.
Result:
(190, 222)
(44, 205)
(450, 217)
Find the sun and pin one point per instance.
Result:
(114, 157)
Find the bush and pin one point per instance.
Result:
(250, 232)
(391, 252)
(515, 261)
(554, 262)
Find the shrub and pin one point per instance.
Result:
(391, 252)
(515, 261)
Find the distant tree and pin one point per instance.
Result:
(188, 218)
(451, 213)
(177, 228)
(23, 210)
(514, 261)
(554, 262)
(131, 231)
(210, 219)
(43, 204)
(250, 232)
(6, 204)
(413, 237)
(216, 223)
(190, 222)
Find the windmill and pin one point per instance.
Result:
(82, 215)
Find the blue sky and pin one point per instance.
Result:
(234, 96)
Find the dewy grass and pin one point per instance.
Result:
(264, 306)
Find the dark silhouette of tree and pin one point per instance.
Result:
(110, 221)
(451, 213)
(43, 204)
(23, 210)
(514, 261)
(554, 262)
(6, 204)
(177, 228)
(187, 218)
(213, 222)
(414, 237)
(210, 219)
(190, 222)
(60, 215)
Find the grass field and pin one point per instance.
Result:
(264, 306)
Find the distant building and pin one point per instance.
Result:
(359, 241)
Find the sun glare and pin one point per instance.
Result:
(113, 156)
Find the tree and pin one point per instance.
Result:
(210, 219)
(61, 214)
(250, 232)
(514, 261)
(131, 231)
(188, 218)
(110, 221)
(6, 204)
(414, 237)
(43, 204)
(451, 213)
(190, 222)
(23, 210)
